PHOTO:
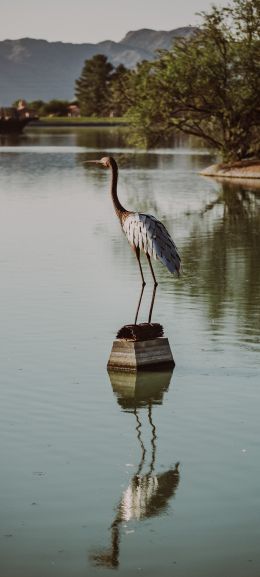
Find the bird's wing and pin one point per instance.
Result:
(150, 235)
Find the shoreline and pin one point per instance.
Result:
(84, 123)
(242, 169)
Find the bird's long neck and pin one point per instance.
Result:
(120, 210)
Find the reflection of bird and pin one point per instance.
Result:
(143, 231)
(149, 494)
(146, 496)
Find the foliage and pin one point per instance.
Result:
(118, 101)
(35, 105)
(92, 90)
(102, 89)
(55, 107)
(207, 85)
(81, 120)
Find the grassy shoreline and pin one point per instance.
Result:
(81, 121)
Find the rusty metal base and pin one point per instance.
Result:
(140, 332)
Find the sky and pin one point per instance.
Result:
(96, 20)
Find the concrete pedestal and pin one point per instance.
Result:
(153, 354)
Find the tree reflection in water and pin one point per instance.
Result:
(148, 494)
(221, 254)
(239, 198)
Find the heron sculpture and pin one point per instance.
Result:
(144, 233)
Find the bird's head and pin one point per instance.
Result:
(106, 161)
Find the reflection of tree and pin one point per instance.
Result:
(237, 200)
(11, 139)
(148, 494)
(222, 253)
(100, 138)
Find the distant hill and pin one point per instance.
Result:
(36, 69)
(152, 40)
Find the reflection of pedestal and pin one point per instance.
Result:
(139, 389)
(153, 354)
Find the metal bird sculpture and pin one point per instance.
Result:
(144, 233)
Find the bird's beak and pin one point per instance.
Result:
(92, 162)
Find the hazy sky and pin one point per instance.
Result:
(93, 21)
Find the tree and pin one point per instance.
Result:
(37, 106)
(149, 111)
(207, 85)
(55, 107)
(92, 88)
(118, 83)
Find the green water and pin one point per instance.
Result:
(89, 481)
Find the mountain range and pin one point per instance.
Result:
(33, 69)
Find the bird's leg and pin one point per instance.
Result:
(137, 252)
(154, 288)
(139, 303)
(153, 439)
(151, 269)
(139, 436)
(152, 303)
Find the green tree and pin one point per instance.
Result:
(55, 107)
(207, 85)
(92, 88)
(118, 90)
(149, 111)
(37, 106)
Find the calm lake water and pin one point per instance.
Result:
(90, 480)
